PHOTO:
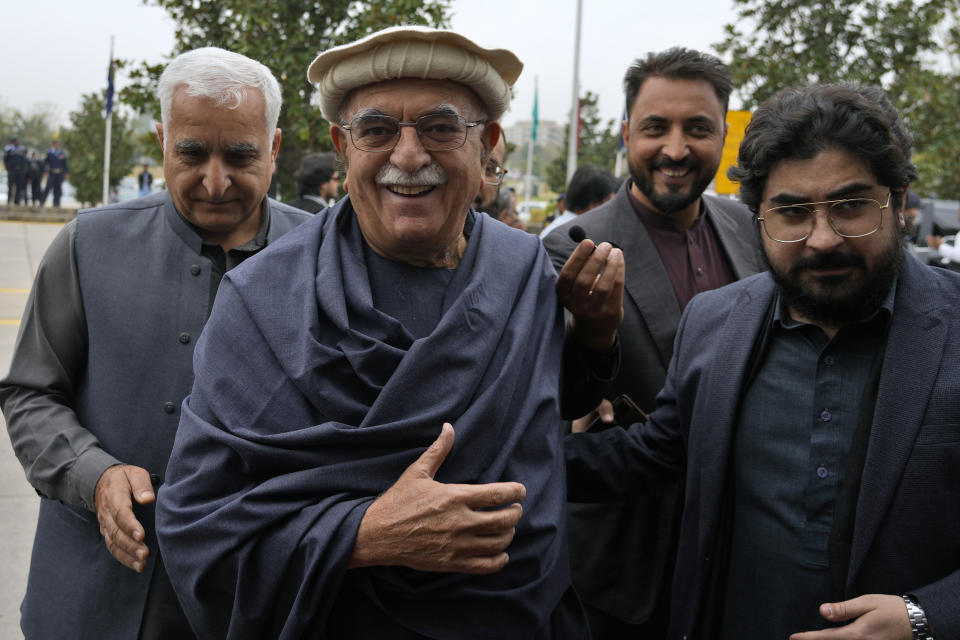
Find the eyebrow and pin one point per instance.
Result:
(242, 148)
(836, 194)
(190, 146)
(439, 110)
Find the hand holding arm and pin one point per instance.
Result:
(431, 526)
(874, 616)
(119, 527)
(590, 286)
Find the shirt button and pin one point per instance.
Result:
(195, 269)
(184, 338)
(829, 361)
(822, 472)
(169, 407)
(826, 416)
(699, 271)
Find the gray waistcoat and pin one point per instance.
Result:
(145, 288)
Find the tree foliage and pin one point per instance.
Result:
(900, 45)
(598, 144)
(35, 128)
(83, 142)
(286, 36)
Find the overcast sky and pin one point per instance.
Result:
(55, 50)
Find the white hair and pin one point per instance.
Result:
(223, 76)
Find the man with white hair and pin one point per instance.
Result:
(104, 356)
(317, 488)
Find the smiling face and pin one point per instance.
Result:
(217, 163)
(827, 279)
(674, 138)
(411, 203)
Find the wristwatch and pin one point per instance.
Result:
(918, 619)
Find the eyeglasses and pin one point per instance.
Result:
(494, 173)
(437, 131)
(850, 218)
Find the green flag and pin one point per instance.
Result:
(533, 129)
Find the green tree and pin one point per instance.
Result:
(598, 144)
(35, 128)
(896, 44)
(83, 142)
(286, 36)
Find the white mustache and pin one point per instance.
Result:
(428, 176)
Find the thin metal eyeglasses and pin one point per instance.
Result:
(849, 218)
(493, 174)
(437, 131)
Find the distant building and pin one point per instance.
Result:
(549, 134)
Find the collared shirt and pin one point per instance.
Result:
(790, 449)
(222, 261)
(694, 258)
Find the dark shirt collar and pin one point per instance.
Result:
(656, 219)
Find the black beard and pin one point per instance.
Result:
(670, 202)
(854, 306)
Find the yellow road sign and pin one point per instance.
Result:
(738, 125)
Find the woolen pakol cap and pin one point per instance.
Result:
(414, 52)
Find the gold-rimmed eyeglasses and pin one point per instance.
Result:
(849, 217)
(437, 131)
(493, 174)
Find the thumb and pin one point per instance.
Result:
(606, 411)
(430, 460)
(846, 610)
(140, 486)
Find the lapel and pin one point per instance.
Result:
(718, 400)
(646, 283)
(914, 350)
(742, 253)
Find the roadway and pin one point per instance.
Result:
(22, 245)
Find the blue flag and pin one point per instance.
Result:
(109, 90)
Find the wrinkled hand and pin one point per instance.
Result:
(934, 241)
(118, 526)
(590, 286)
(604, 411)
(874, 616)
(430, 526)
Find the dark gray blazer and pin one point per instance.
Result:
(145, 289)
(620, 552)
(906, 535)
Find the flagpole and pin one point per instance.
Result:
(106, 137)
(575, 105)
(533, 140)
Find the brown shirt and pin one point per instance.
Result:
(694, 259)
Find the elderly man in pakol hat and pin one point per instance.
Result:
(317, 488)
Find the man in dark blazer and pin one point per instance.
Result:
(813, 410)
(676, 242)
(317, 182)
(105, 351)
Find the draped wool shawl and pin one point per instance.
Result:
(308, 403)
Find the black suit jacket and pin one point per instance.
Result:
(906, 533)
(621, 553)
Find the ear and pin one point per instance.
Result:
(339, 138)
(625, 132)
(901, 197)
(491, 134)
(160, 135)
(726, 128)
(275, 146)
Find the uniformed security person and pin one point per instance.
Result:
(55, 167)
(35, 179)
(15, 162)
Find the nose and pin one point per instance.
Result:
(216, 178)
(409, 154)
(822, 237)
(675, 145)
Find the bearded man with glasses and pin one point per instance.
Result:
(815, 409)
(317, 488)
